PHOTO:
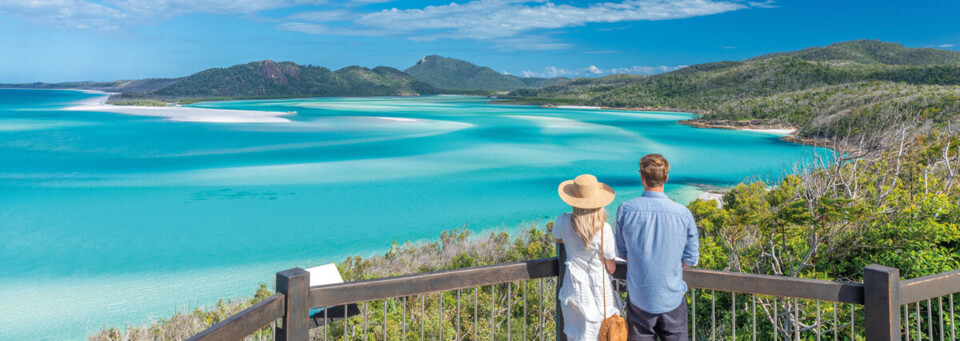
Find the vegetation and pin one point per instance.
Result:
(455, 249)
(849, 109)
(142, 103)
(768, 87)
(126, 86)
(453, 74)
(287, 79)
(899, 208)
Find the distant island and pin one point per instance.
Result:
(844, 90)
(268, 79)
(847, 89)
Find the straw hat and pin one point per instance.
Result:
(586, 192)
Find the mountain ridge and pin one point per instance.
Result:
(267, 78)
(455, 74)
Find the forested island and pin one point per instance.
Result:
(860, 88)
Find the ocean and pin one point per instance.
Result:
(110, 219)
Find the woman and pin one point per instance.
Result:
(582, 291)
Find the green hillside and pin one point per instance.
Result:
(730, 90)
(286, 79)
(873, 52)
(454, 74)
(128, 86)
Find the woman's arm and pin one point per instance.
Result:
(611, 265)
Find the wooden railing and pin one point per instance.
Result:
(881, 296)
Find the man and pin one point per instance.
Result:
(659, 239)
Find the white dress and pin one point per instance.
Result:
(581, 293)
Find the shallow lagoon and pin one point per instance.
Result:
(108, 219)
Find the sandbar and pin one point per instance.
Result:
(181, 114)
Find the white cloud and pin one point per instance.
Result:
(324, 29)
(491, 19)
(594, 71)
(305, 28)
(70, 14)
(946, 45)
(114, 14)
(321, 16)
(765, 4)
(526, 43)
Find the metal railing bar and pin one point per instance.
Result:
(906, 320)
(493, 313)
(385, 320)
(404, 317)
(796, 317)
(458, 314)
(919, 326)
(940, 315)
(776, 319)
(423, 317)
(693, 300)
(476, 311)
(540, 327)
(440, 320)
(524, 310)
(953, 321)
(818, 321)
(326, 322)
(713, 315)
(509, 298)
(852, 321)
(930, 319)
(364, 321)
(836, 323)
(733, 304)
(345, 321)
(753, 318)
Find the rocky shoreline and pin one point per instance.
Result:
(760, 125)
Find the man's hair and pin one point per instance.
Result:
(654, 168)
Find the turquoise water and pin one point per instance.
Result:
(110, 219)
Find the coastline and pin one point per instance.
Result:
(177, 114)
(786, 132)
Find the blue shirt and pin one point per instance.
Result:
(654, 234)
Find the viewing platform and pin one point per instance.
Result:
(518, 301)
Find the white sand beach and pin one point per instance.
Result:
(780, 132)
(180, 114)
(707, 196)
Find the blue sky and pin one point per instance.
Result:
(65, 40)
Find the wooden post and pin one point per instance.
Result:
(295, 285)
(881, 302)
(562, 269)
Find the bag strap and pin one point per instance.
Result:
(603, 271)
(603, 277)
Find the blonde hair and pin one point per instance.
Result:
(586, 222)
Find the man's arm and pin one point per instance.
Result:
(621, 245)
(691, 251)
